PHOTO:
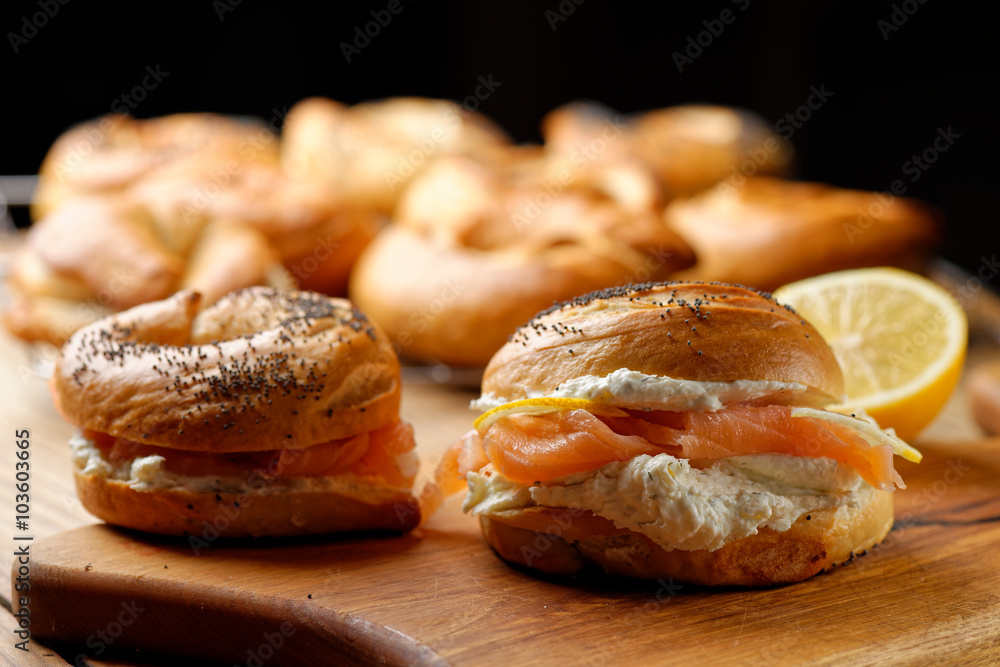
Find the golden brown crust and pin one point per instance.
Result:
(110, 247)
(317, 234)
(369, 151)
(111, 153)
(457, 304)
(735, 333)
(314, 119)
(687, 147)
(30, 274)
(154, 196)
(258, 370)
(321, 259)
(50, 320)
(563, 542)
(254, 512)
(63, 278)
(228, 257)
(767, 232)
(479, 245)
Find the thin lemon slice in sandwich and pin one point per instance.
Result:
(542, 405)
(867, 428)
(900, 340)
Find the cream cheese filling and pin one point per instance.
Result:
(148, 473)
(681, 507)
(678, 506)
(628, 388)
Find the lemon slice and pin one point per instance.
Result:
(866, 428)
(542, 405)
(900, 340)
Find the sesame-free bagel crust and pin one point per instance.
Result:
(564, 542)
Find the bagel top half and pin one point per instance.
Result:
(705, 332)
(258, 370)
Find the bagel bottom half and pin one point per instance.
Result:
(566, 542)
(272, 509)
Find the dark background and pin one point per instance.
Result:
(892, 89)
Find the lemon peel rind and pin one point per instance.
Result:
(540, 405)
(955, 331)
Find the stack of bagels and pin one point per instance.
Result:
(427, 215)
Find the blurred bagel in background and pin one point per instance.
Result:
(111, 153)
(97, 255)
(687, 148)
(370, 151)
(314, 232)
(129, 211)
(445, 232)
(767, 232)
(477, 248)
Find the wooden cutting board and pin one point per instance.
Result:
(929, 595)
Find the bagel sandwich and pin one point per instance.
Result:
(674, 430)
(267, 413)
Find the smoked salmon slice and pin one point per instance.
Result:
(376, 453)
(385, 454)
(530, 448)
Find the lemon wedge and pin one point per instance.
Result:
(900, 340)
(542, 405)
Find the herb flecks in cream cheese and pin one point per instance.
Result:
(681, 507)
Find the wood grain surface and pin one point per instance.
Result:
(929, 595)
